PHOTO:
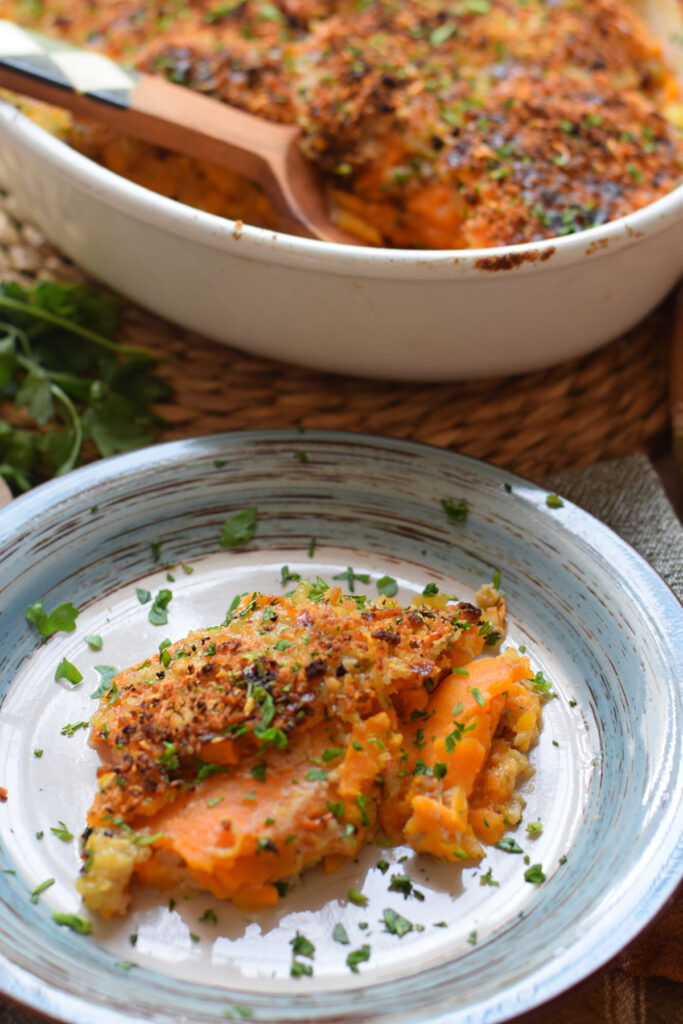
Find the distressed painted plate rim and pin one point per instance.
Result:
(574, 526)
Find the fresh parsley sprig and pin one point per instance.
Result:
(60, 370)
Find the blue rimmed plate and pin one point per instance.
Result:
(593, 616)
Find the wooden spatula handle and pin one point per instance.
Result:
(168, 115)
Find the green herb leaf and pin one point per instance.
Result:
(395, 923)
(351, 576)
(143, 595)
(340, 935)
(456, 513)
(358, 956)
(72, 727)
(62, 618)
(301, 946)
(534, 874)
(357, 897)
(509, 845)
(554, 501)
(534, 829)
(107, 673)
(74, 921)
(239, 529)
(62, 832)
(66, 670)
(388, 586)
(35, 893)
(158, 615)
(299, 969)
(94, 642)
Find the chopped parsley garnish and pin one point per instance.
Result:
(339, 934)
(301, 946)
(239, 529)
(311, 547)
(351, 576)
(431, 590)
(286, 576)
(456, 513)
(158, 614)
(358, 898)
(258, 771)
(155, 548)
(168, 759)
(300, 456)
(440, 769)
(37, 752)
(472, 938)
(404, 885)
(107, 673)
(316, 774)
(509, 845)
(74, 921)
(388, 586)
(332, 753)
(94, 641)
(35, 893)
(238, 1012)
(395, 923)
(383, 866)
(283, 644)
(62, 832)
(62, 618)
(67, 670)
(125, 965)
(360, 804)
(209, 916)
(488, 879)
(215, 800)
(299, 969)
(358, 956)
(534, 828)
(143, 595)
(219, 463)
(337, 808)
(534, 874)
(541, 684)
(477, 696)
(72, 727)
(554, 501)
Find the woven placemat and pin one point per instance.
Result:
(605, 405)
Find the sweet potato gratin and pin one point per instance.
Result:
(436, 123)
(298, 731)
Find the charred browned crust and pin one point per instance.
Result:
(471, 123)
(274, 668)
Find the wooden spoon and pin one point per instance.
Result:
(176, 118)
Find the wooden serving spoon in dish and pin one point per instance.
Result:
(91, 85)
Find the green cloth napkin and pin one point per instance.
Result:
(627, 495)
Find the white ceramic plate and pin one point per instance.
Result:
(593, 616)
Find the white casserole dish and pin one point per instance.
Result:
(402, 314)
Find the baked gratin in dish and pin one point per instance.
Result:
(436, 125)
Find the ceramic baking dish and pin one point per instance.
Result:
(403, 314)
